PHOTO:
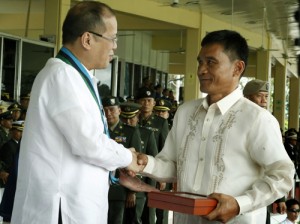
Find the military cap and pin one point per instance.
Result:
(130, 98)
(110, 101)
(18, 125)
(129, 109)
(7, 115)
(255, 86)
(121, 99)
(145, 92)
(291, 135)
(14, 107)
(25, 96)
(162, 104)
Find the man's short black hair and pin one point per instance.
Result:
(290, 202)
(235, 45)
(85, 16)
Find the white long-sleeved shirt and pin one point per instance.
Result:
(65, 155)
(232, 147)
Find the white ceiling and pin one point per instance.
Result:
(275, 16)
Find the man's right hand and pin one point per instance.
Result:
(138, 163)
(142, 160)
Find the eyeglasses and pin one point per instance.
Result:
(294, 210)
(112, 39)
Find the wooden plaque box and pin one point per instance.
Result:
(182, 202)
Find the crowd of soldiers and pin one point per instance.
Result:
(12, 116)
(142, 122)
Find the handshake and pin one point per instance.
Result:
(138, 163)
(128, 177)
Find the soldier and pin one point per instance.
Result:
(162, 108)
(160, 127)
(257, 91)
(129, 115)
(10, 148)
(24, 101)
(16, 111)
(129, 137)
(5, 125)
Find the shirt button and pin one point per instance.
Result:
(201, 159)
(203, 138)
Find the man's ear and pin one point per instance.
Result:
(86, 39)
(239, 68)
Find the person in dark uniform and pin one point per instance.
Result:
(129, 115)
(16, 111)
(24, 101)
(10, 148)
(129, 137)
(162, 108)
(7, 201)
(146, 98)
(5, 125)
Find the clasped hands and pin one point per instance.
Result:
(138, 163)
(128, 177)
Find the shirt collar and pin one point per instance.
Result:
(225, 103)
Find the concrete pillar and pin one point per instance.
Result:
(191, 82)
(294, 103)
(55, 13)
(279, 94)
(263, 68)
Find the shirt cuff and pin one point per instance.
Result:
(245, 203)
(150, 165)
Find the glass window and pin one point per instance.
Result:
(9, 69)
(34, 58)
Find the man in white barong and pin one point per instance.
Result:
(223, 145)
(66, 153)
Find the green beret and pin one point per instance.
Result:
(162, 104)
(255, 86)
(110, 101)
(129, 109)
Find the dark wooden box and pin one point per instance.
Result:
(182, 202)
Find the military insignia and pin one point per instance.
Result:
(112, 101)
(267, 86)
(161, 102)
(120, 139)
(127, 109)
(148, 93)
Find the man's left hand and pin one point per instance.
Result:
(226, 209)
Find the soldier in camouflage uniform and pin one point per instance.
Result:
(129, 137)
(129, 115)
